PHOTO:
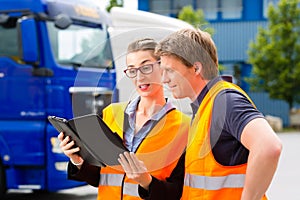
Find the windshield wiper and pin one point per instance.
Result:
(77, 65)
(73, 63)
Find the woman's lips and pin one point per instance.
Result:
(144, 87)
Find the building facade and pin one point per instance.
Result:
(235, 23)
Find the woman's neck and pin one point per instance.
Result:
(149, 106)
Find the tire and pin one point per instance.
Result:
(2, 181)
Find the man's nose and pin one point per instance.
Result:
(165, 78)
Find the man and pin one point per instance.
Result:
(232, 152)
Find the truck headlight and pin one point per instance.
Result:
(55, 145)
(61, 166)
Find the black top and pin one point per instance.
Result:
(232, 111)
(171, 189)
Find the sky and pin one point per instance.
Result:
(131, 4)
(127, 3)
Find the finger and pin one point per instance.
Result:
(138, 163)
(69, 145)
(134, 158)
(130, 161)
(61, 136)
(124, 163)
(70, 152)
(121, 160)
(64, 142)
(126, 167)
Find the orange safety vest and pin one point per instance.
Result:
(160, 151)
(205, 178)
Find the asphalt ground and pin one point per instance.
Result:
(286, 182)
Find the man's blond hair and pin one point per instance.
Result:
(191, 46)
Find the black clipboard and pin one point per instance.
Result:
(62, 125)
(99, 145)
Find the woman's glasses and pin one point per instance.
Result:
(145, 69)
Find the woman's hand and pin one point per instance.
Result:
(135, 169)
(66, 146)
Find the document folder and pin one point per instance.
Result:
(99, 145)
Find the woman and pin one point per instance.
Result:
(152, 129)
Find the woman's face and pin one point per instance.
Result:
(147, 82)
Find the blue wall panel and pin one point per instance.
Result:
(232, 39)
(272, 107)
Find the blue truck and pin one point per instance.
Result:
(55, 59)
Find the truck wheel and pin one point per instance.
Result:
(2, 181)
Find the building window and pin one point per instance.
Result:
(209, 7)
(231, 9)
(162, 7)
(266, 6)
(224, 9)
(179, 4)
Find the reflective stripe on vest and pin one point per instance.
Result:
(131, 189)
(111, 179)
(214, 183)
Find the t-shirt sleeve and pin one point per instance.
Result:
(233, 112)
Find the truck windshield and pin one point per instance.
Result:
(80, 46)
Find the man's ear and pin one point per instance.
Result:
(198, 67)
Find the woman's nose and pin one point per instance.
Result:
(139, 75)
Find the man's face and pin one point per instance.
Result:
(178, 77)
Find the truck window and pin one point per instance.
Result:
(80, 45)
(9, 39)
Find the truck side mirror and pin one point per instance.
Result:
(3, 18)
(28, 38)
(62, 21)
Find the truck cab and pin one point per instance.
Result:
(55, 59)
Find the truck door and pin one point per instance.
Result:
(22, 111)
(21, 92)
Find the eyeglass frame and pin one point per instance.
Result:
(139, 69)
